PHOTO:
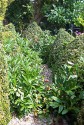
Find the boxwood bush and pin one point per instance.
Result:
(39, 40)
(4, 89)
(75, 54)
(7, 31)
(57, 51)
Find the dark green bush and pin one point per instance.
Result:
(56, 57)
(75, 54)
(33, 33)
(20, 13)
(75, 50)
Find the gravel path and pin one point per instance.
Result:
(30, 120)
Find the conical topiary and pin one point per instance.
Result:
(33, 33)
(58, 49)
(75, 50)
(75, 54)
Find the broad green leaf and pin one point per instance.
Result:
(56, 99)
(30, 107)
(54, 104)
(60, 108)
(64, 111)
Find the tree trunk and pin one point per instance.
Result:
(37, 13)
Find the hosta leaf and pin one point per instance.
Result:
(56, 99)
(73, 96)
(54, 104)
(30, 106)
(64, 111)
(60, 108)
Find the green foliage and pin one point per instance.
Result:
(78, 13)
(3, 5)
(28, 91)
(7, 31)
(65, 94)
(4, 89)
(39, 40)
(68, 80)
(57, 55)
(59, 13)
(75, 54)
(75, 50)
(33, 33)
(58, 16)
(1, 25)
(20, 13)
(26, 86)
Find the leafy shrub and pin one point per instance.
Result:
(75, 50)
(26, 86)
(7, 31)
(4, 89)
(75, 53)
(19, 13)
(78, 13)
(45, 44)
(63, 97)
(65, 94)
(33, 33)
(39, 40)
(57, 16)
(67, 85)
(56, 57)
